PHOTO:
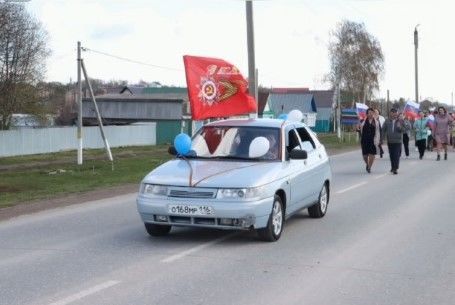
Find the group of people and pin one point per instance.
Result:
(396, 132)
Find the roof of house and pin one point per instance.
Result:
(285, 102)
(143, 97)
(290, 90)
(323, 98)
(137, 107)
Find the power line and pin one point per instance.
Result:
(131, 60)
(164, 67)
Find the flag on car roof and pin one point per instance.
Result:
(216, 88)
(361, 110)
(411, 110)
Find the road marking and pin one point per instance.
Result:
(180, 255)
(351, 187)
(84, 293)
(380, 176)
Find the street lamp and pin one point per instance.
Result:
(416, 44)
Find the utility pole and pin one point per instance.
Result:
(79, 102)
(98, 116)
(338, 110)
(416, 45)
(338, 94)
(387, 102)
(452, 101)
(252, 85)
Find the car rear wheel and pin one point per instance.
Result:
(157, 230)
(272, 231)
(320, 208)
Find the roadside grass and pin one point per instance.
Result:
(331, 142)
(46, 176)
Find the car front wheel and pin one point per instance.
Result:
(320, 208)
(272, 231)
(157, 230)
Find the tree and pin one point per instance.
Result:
(356, 60)
(23, 50)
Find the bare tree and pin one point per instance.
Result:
(23, 50)
(356, 60)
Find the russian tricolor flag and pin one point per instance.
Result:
(361, 110)
(411, 110)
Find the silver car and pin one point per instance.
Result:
(239, 175)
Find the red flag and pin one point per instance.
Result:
(216, 88)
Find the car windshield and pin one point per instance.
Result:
(235, 142)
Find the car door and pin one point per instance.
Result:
(298, 173)
(315, 162)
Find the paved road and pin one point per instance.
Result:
(385, 240)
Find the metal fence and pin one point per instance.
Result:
(28, 141)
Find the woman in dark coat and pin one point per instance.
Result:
(370, 137)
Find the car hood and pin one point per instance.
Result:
(204, 173)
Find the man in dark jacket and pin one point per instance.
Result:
(392, 130)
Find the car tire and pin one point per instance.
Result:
(157, 230)
(274, 228)
(320, 208)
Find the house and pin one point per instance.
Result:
(273, 102)
(169, 110)
(283, 100)
(324, 100)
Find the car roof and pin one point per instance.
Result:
(271, 123)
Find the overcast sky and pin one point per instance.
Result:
(291, 39)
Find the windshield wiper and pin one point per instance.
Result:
(235, 158)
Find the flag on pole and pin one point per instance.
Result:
(411, 110)
(361, 110)
(216, 88)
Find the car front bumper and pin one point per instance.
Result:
(231, 215)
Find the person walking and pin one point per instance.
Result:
(421, 131)
(406, 133)
(381, 119)
(370, 136)
(392, 130)
(442, 129)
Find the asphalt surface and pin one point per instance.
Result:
(386, 239)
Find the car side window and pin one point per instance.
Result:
(294, 141)
(307, 141)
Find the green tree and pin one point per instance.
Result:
(356, 58)
(23, 50)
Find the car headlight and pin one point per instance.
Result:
(241, 193)
(154, 189)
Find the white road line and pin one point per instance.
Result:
(84, 293)
(380, 176)
(175, 257)
(351, 187)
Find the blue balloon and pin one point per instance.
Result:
(283, 116)
(182, 144)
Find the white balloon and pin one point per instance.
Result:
(295, 115)
(258, 147)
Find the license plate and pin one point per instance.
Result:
(200, 210)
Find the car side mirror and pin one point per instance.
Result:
(172, 151)
(298, 154)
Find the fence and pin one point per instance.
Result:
(27, 141)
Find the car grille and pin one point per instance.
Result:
(192, 194)
(221, 223)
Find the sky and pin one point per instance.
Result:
(291, 39)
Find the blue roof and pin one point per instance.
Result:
(285, 102)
